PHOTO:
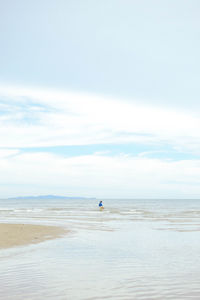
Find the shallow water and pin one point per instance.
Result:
(134, 249)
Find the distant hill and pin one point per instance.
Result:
(43, 197)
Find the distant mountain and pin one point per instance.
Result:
(43, 197)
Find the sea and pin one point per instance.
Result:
(133, 249)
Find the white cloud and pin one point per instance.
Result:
(100, 175)
(49, 118)
(5, 153)
(38, 118)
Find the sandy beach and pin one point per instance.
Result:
(21, 234)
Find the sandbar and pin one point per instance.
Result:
(12, 235)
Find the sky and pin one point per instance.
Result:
(100, 98)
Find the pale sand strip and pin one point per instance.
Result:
(21, 234)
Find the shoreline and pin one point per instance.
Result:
(12, 235)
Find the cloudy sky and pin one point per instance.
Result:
(100, 98)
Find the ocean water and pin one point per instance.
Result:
(134, 249)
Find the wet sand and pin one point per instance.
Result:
(12, 235)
